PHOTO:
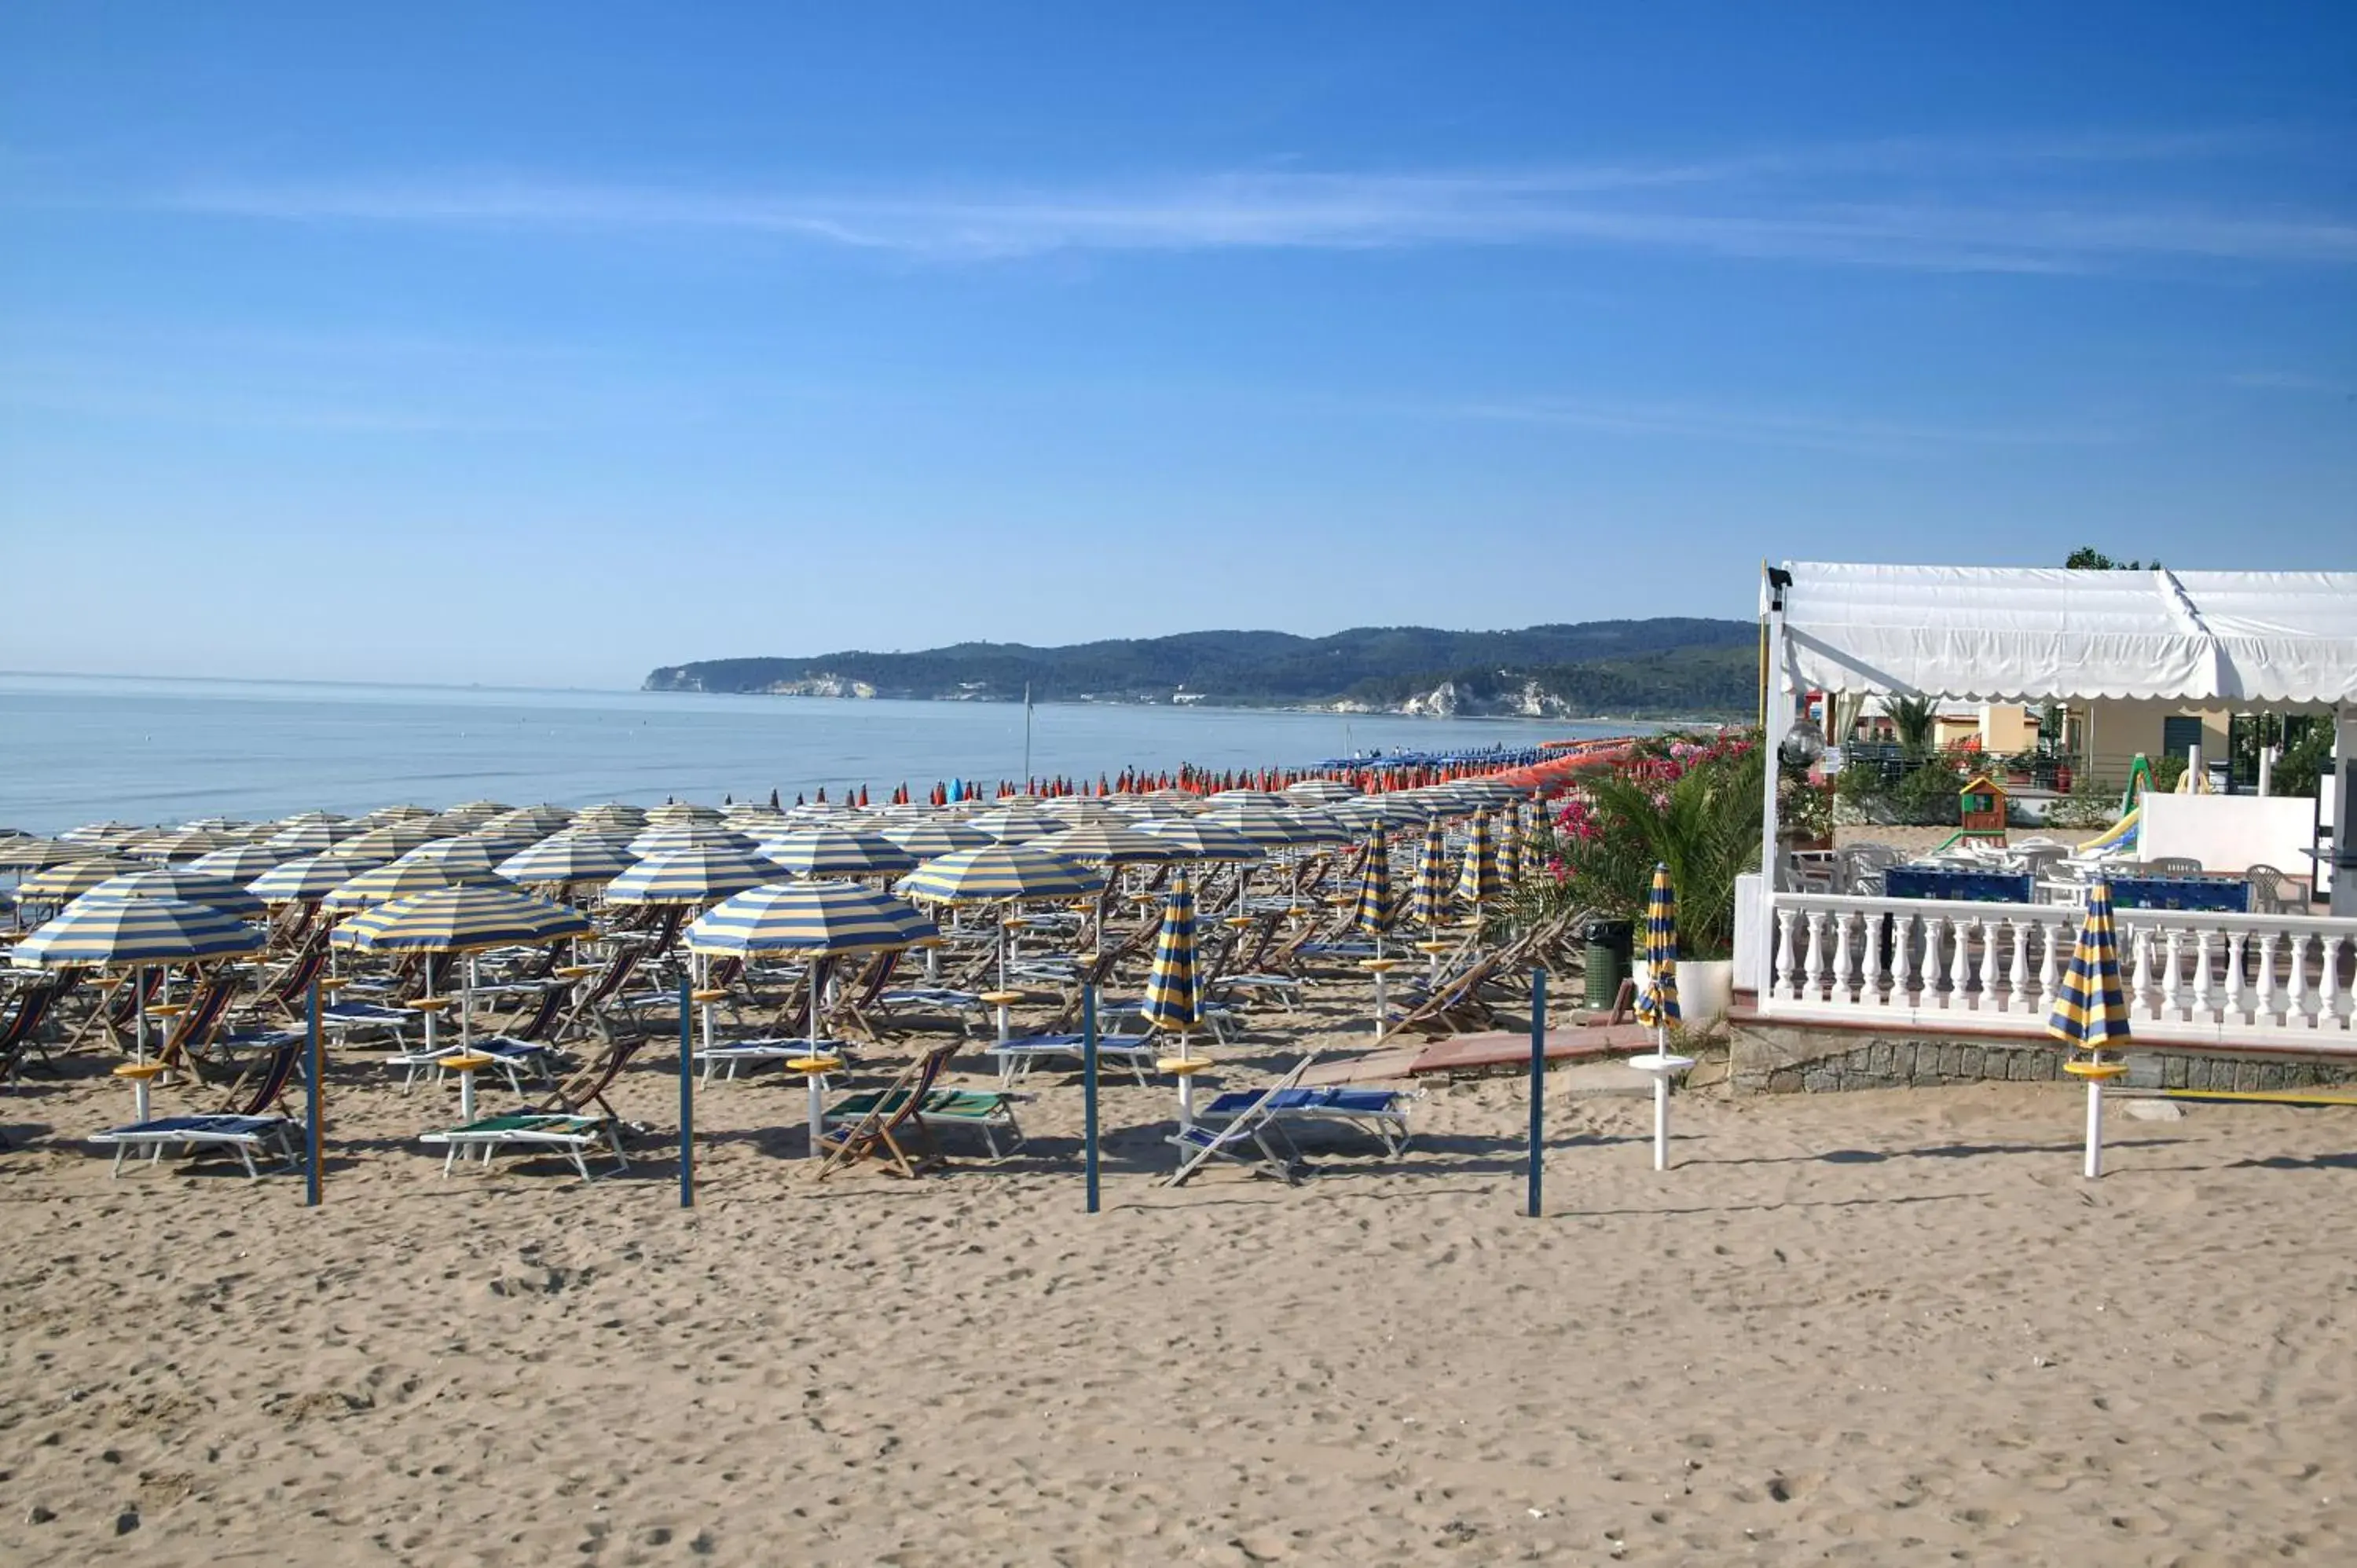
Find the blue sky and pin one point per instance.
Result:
(546, 345)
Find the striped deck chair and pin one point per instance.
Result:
(251, 1123)
(117, 1012)
(288, 992)
(1255, 1124)
(520, 1049)
(882, 1128)
(564, 1124)
(596, 1002)
(34, 1004)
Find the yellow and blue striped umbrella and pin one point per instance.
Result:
(1013, 824)
(1428, 902)
(1659, 1006)
(117, 931)
(23, 854)
(241, 864)
(1202, 838)
(454, 919)
(178, 882)
(1476, 881)
(1110, 843)
(705, 875)
(1173, 1001)
(309, 876)
(663, 838)
(928, 837)
(568, 858)
(1000, 871)
(73, 879)
(819, 918)
(311, 835)
(471, 857)
(1372, 914)
(399, 880)
(178, 843)
(386, 840)
(2090, 1005)
(826, 850)
(1510, 845)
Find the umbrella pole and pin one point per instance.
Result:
(139, 1024)
(815, 1079)
(2094, 1162)
(466, 1009)
(1661, 1100)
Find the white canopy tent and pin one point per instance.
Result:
(2275, 640)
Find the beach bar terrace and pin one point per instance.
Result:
(2244, 975)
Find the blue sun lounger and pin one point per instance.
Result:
(1255, 1129)
(1017, 1056)
(1380, 1114)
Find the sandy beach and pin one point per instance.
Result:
(1869, 1327)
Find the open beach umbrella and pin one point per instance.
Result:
(1000, 871)
(1320, 791)
(176, 882)
(928, 837)
(1477, 880)
(178, 843)
(407, 811)
(1202, 838)
(23, 854)
(681, 812)
(612, 814)
(2090, 1013)
(827, 851)
(71, 879)
(539, 821)
(1014, 824)
(702, 874)
(241, 864)
(1657, 1007)
(313, 835)
(399, 880)
(466, 856)
(1257, 817)
(388, 839)
(102, 833)
(461, 919)
(1110, 844)
(309, 876)
(568, 858)
(1380, 811)
(136, 933)
(664, 839)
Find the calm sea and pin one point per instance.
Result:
(78, 748)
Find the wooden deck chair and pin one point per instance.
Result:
(250, 1124)
(1255, 1125)
(23, 1026)
(118, 1011)
(561, 1123)
(889, 1124)
(595, 1001)
(1453, 1006)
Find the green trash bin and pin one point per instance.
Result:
(1609, 944)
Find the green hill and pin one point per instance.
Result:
(1631, 667)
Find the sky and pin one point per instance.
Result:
(524, 345)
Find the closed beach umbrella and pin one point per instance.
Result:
(932, 836)
(71, 879)
(836, 852)
(1510, 846)
(1658, 1005)
(1428, 900)
(1477, 880)
(568, 858)
(105, 933)
(401, 879)
(705, 875)
(1372, 912)
(308, 876)
(2090, 1013)
(1173, 1000)
(180, 844)
(175, 882)
(241, 864)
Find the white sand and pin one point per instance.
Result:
(1875, 1328)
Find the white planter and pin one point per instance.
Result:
(1706, 990)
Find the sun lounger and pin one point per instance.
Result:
(1217, 1015)
(1255, 1128)
(986, 1111)
(753, 1052)
(882, 1130)
(1017, 1056)
(244, 1129)
(563, 1125)
(515, 1052)
(1380, 1114)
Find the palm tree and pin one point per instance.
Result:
(1916, 719)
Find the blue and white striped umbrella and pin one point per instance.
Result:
(456, 920)
(116, 932)
(173, 882)
(1000, 871)
(309, 876)
(931, 836)
(817, 919)
(569, 858)
(2091, 1006)
(466, 857)
(687, 876)
(241, 864)
(178, 843)
(401, 879)
(315, 834)
(1174, 998)
(828, 851)
(1658, 1008)
(73, 879)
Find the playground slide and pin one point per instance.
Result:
(2119, 832)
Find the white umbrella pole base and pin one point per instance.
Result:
(1661, 1065)
(2094, 1164)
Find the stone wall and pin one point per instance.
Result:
(1793, 1058)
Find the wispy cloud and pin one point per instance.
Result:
(1839, 205)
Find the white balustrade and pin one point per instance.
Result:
(2285, 979)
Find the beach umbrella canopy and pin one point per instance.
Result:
(1313, 825)
(2090, 1008)
(1428, 900)
(100, 832)
(1267, 825)
(1014, 824)
(1372, 913)
(22, 855)
(73, 879)
(1202, 838)
(505, 840)
(1110, 843)
(401, 879)
(1173, 1000)
(538, 821)
(407, 812)
(309, 876)
(1380, 811)
(392, 838)
(933, 837)
(815, 918)
(180, 843)
(610, 814)
(456, 920)
(1658, 1008)
(811, 851)
(176, 882)
(680, 812)
(465, 857)
(240, 864)
(113, 932)
(1320, 791)
(701, 875)
(568, 858)
(462, 819)
(663, 839)
(1001, 871)
(312, 837)
(1477, 880)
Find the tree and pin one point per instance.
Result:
(2087, 558)
(1916, 719)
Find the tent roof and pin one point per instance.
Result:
(2029, 634)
